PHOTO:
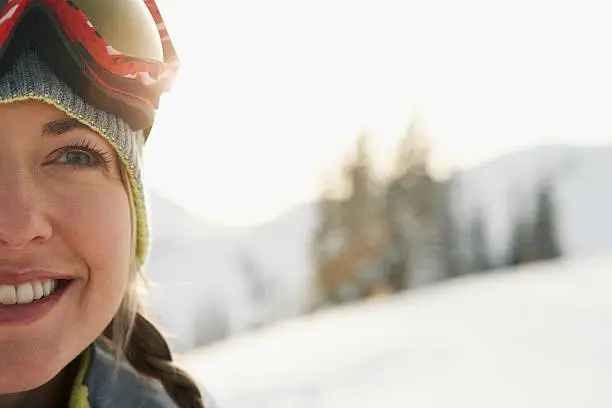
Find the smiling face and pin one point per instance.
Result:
(65, 241)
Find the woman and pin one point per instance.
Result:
(79, 85)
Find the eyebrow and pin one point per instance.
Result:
(61, 126)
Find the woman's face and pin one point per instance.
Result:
(65, 241)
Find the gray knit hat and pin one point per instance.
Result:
(31, 78)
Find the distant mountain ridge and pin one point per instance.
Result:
(507, 186)
(170, 219)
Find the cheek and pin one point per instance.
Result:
(94, 225)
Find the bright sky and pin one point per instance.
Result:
(272, 92)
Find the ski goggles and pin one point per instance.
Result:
(116, 54)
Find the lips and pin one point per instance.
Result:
(27, 295)
(23, 309)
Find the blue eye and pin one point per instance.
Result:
(77, 158)
(82, 155)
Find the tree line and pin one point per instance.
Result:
(378, 236)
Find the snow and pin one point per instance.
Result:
(539, 336)
(281, 249)
(191, 267)
(199, 261)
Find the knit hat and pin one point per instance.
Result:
(31, 78)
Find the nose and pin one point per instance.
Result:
(23, 219)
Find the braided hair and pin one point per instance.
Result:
(145, 348)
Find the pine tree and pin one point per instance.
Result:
(348, 230)
(451, 242)
(522, 243)
(327, 240)
(545, 239)
(359, 212)
(481, 260)
(414, 150)
(535, 237)
(414, 213)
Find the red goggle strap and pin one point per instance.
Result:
(168, 47)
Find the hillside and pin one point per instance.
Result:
(536, 336)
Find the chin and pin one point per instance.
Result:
(18, 380)
(27, 382)
(29, 365)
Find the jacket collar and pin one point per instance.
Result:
(97, 385)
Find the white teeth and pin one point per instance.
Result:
(8, 295)
(26, 292)
(37, 286)
(47, 287)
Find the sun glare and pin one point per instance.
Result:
(272, 96)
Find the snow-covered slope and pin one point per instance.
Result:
(281, 249)
(196, 289)
(536, 337)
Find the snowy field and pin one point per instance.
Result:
(536, 337)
